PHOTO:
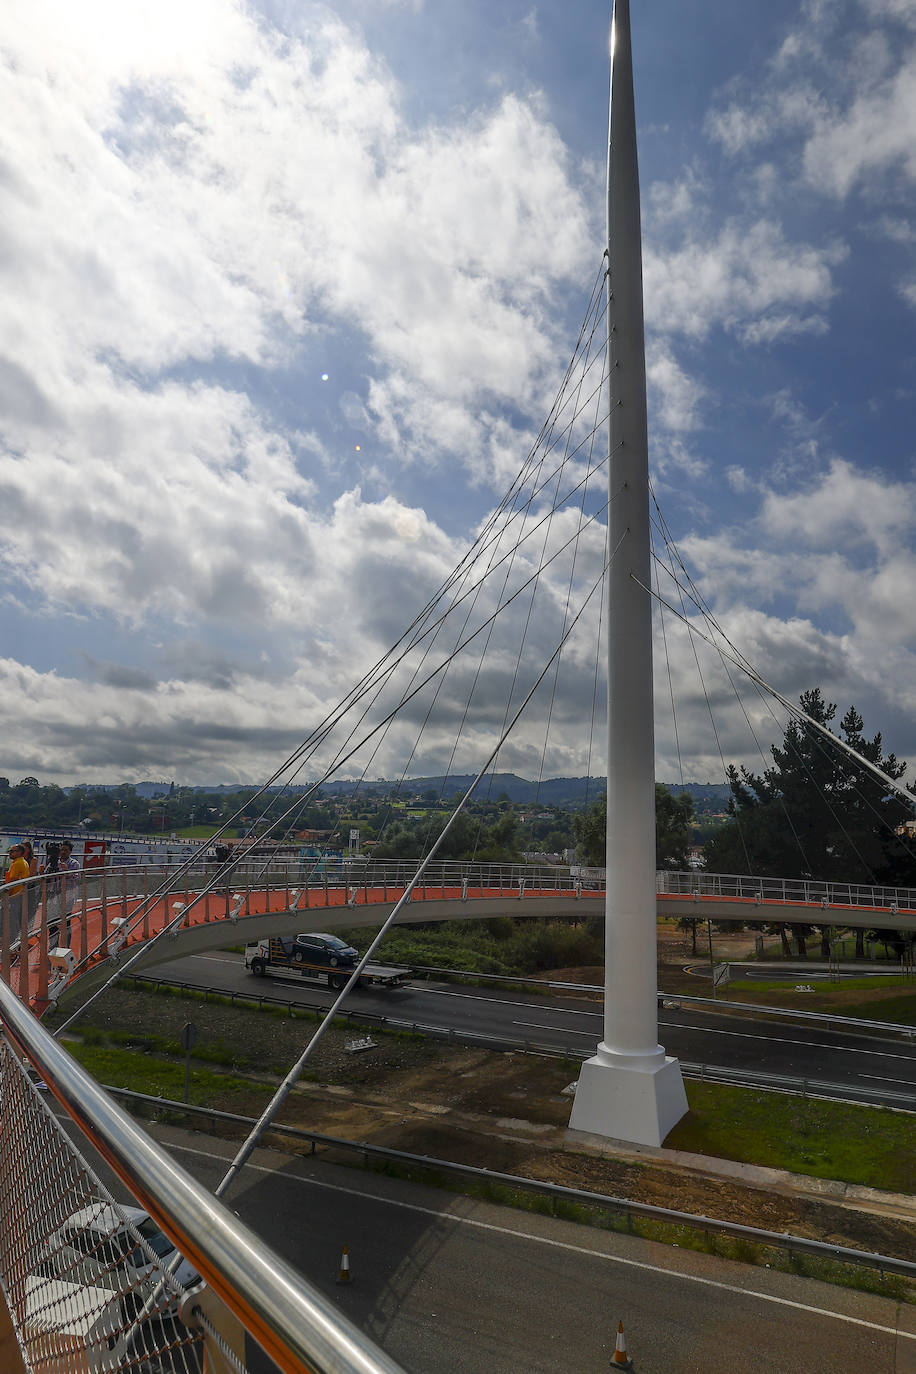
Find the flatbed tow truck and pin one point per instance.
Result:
(321, 959)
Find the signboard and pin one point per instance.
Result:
(94, 853)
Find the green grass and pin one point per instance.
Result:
(866, 1145)
(121, 1068)
(884, 999)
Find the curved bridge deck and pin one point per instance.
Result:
(116, 913)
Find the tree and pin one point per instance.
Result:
(816, 813)
(672, 830)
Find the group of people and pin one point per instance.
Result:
(60, 890)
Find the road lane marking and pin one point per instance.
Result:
(536, 1025)
(561, 1245)
(782, 1040)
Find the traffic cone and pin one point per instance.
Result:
(620, 1360)
(343, 1275)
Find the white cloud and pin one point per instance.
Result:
(674, 398)
(750, 280)
(173, 206)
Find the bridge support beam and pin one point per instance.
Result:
(630, 1090)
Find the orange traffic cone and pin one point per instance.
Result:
(343, 1275)
(620, 1360)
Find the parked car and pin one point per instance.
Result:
(118, 1248)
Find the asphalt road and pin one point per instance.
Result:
(445, 1283)
(861, 1067)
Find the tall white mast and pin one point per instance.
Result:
(630, 1090)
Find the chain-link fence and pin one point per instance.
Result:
(86, 1279)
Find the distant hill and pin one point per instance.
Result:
(569, 793)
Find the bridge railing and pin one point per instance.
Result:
(788, 891)
(88, 915)
(86, 1282)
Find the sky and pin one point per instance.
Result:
(288, 291)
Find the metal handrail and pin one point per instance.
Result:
(362, 871)
(291, 1320)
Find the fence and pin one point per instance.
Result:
(87, 1281)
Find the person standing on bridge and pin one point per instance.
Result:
(18, 869)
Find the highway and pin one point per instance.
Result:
(863, 1067)
(451, 1283)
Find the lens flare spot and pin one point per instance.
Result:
(324, 376)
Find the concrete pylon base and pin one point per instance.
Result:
(620, 1101)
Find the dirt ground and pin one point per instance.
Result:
(505, 1112)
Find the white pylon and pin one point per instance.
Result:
(630, 1090)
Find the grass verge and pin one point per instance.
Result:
(872, 1146)
(867, 999)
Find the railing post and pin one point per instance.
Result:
(41, 991)
(24, 946)
(145, 903)
(84, 932)
(104, 912)
(5, 937)
(124, 893)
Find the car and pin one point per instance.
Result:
(323, 949)
(120, 1248)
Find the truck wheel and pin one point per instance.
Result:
(258, 968)
(337, 981)
(299, 956)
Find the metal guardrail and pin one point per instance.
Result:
(710, 1225)
(804, 1087)
(828, 1018)
(291, 1320)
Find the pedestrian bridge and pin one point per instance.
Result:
(156, 913)
(70, 1301)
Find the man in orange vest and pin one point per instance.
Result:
(18, 868)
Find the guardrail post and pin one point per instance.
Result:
(124, 893)
(146, 903)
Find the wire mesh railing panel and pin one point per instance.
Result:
(85, 1278)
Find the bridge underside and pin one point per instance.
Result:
(218, 934)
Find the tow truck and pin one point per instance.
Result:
(323, 959)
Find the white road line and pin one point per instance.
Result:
(213, 959)
(783, 1040)
(906, 1082)
(502, 1002)
(565, 1245)
(536, 1025)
